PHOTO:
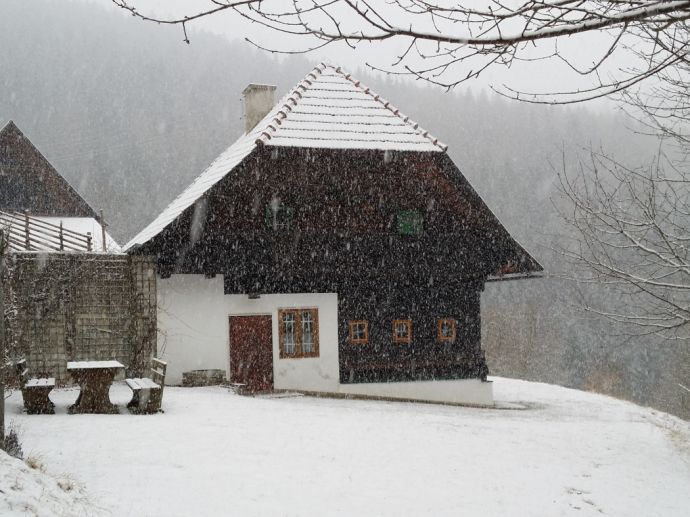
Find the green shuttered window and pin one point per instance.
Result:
(410, 222)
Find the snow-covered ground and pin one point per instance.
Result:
(216, 453)
(28, 490)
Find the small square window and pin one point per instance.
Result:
(446, 330)
(278, 216)
(402, 331)
(359, 332)
(410, 222)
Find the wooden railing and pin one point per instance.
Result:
(27, 233)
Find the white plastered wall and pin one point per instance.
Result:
(193, 321)
(192, 324)
(453, 391)
(309, 373)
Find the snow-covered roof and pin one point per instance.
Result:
(55, 234)
(331, 109)
(86, 225)
(328, 109)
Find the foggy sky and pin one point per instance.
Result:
(541, 76)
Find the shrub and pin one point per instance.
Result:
(12, 446)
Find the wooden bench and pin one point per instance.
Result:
(35, 391)
(147, 392)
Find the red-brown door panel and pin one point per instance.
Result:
(251, 352)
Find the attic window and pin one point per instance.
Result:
(359, 332)
(446, 330)
(402, 331)
(410, 222)
(277, 216)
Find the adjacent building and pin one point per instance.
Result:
(69, 291)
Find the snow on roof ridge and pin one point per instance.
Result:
(269, 126)
(264, 135)
(390, 107)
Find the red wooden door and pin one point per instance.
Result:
(251, 352)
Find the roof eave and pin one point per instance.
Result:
(516, 276)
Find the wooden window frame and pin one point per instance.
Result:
(402, 340)
(440, 336)
(299, 352)
(359, 341)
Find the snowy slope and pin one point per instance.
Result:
(216, 453)
(29, 491)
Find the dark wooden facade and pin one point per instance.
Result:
(28, 182)
(344, 238)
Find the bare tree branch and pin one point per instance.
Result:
(631, 234)
(448, 43)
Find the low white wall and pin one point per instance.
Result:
(193, 322)
(460, 391)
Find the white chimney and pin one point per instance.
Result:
(258, 101)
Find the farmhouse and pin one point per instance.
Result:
(333, 248)
(70, 293)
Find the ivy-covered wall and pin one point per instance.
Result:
(65, 307)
